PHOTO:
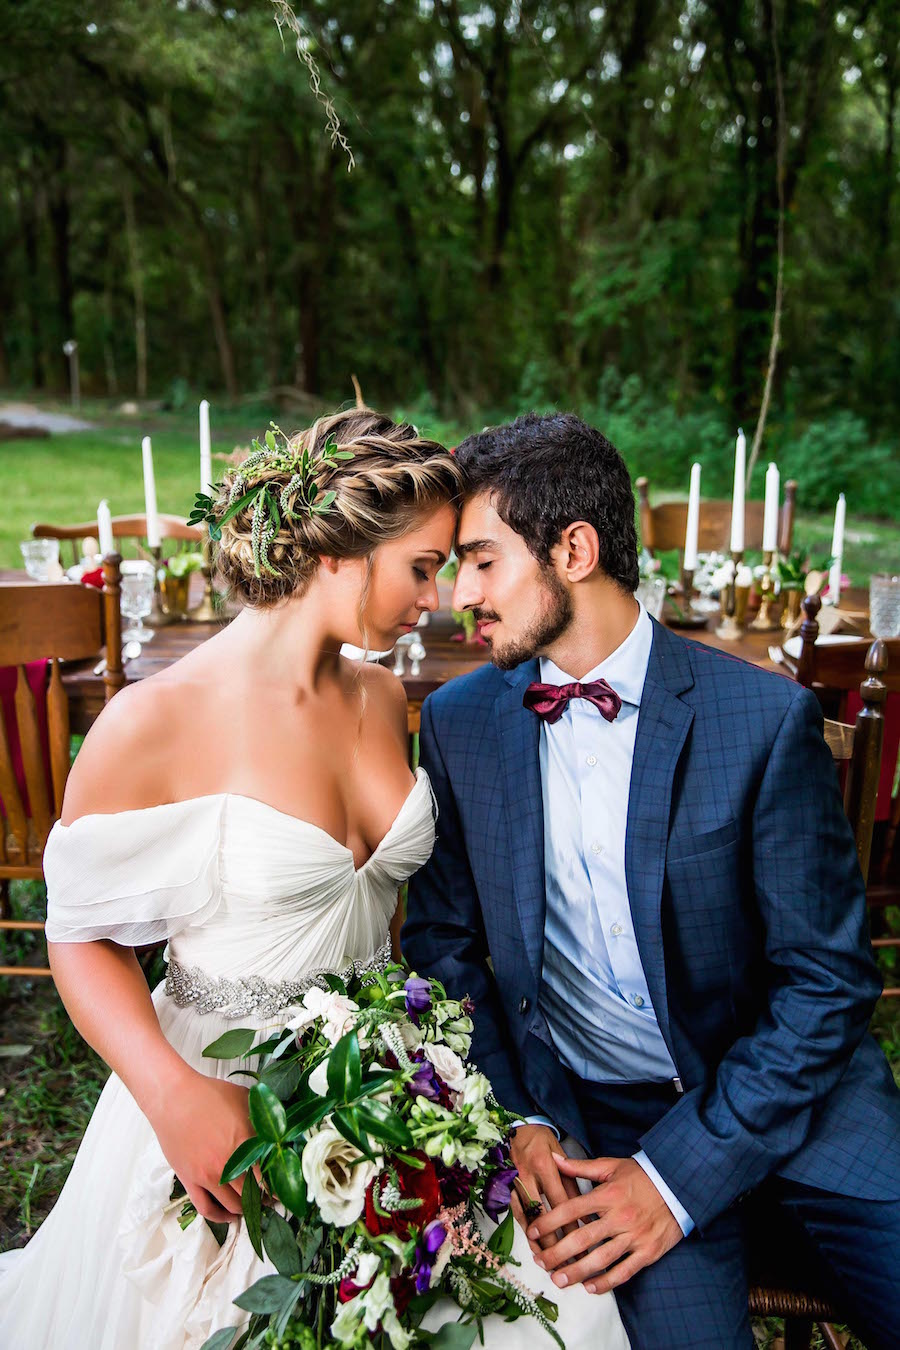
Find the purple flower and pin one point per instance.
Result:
(424, 1082)
(468, 1007)
(418, 996)
(498, 1191)
(426, 1253)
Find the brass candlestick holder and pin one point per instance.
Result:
(205, 611)
(768, 618)
(733, 605)
(157, 618)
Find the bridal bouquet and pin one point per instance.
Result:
(379, 1147)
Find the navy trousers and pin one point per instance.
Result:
(696, 1296)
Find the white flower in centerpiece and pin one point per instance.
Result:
(448, 1064)
(336, 1011)
(374, 1306)
(336, 1175)
(723, 576)
(744, 576)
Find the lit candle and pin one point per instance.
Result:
(693, 521)
(154, 538)
(837, 550)
(737, 504)
(770, 515)
(105, 529)
(205, 448)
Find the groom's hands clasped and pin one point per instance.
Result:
(625, 1225)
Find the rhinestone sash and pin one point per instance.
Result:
(193, 988)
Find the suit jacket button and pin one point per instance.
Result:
(523, 1005)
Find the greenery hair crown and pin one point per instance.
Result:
(299, 497)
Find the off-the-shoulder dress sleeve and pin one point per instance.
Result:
(135, 877)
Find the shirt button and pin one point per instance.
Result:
(637, 1000)
(592, 760)
(596, 848)
(617, 930)
(523, 1005)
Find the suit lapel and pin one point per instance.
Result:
(663, 724)
(519, 735)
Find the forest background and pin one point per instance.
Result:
(551, 205)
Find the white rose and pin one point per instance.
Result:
(448, 1064)
(336, 1011)
(336, 1175)
(410, 1036)
(318, 1079)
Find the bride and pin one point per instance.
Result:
(253, 807)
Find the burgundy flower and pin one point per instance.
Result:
(456, 1182)
(347, 1290)
(418, 1183)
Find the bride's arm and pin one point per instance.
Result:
(199, 1121)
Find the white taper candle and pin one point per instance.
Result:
(154, 539)
(737, 503)
(770, 514)
(105, 529)
(692, 529)
(205, 448)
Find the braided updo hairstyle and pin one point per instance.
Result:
(393, 478)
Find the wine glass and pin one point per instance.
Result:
(41, 558)
(884, 605)
(136, 602)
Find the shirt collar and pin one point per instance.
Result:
(625, 668)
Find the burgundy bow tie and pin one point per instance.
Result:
(550, 701)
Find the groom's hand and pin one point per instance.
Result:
(533, 1148)
(625, 1225)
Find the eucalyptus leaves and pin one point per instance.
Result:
(300, 496)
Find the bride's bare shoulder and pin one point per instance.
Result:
(386, 694)
(130, 757)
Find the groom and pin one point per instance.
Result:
(645, 879)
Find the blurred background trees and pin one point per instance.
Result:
(552, 203)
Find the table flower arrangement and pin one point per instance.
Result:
(380, 1149)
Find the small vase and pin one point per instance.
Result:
(793, 602)
(173, 593)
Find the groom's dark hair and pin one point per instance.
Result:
(546, 471)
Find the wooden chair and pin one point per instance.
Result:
(123, 527)
(58, 622)
(773, 1293)
(833, 672)
(663, 525)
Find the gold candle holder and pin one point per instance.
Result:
(205, 611)
(158, 618)
(792, 612)
(768, 619)
(734, 605)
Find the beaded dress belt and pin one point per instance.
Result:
(193, 988)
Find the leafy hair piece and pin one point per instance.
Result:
(299, 497)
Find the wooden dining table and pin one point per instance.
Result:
(446, 654)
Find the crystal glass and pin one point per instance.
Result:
(651, 592)
(884, 605)
(41, 558)
(138, 580)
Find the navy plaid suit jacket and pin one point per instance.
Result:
(749, 912)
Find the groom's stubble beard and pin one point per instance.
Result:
(549, 625)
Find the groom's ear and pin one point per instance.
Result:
(579, 551)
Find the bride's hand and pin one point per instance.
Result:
(198, 1127)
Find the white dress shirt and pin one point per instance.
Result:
(594, 993)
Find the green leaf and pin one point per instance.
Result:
(347, 1121)
(215, 532)
(243, 1158)
(285, 1176)
(220, 1340)
(344, 454)
(267, 1295)
(326, 501)
(250, 495)
(251, 1204)
(334, 982)
(344, 1068)
(383, 1123)
(280, 1244)
(231, 1045)
(218, 1230)
(310, 1243)
(270, 440)
(267, 1115)
(306, 1114)
(451, 1336)
(273, 509)
(284, 1078)
(501, 1240)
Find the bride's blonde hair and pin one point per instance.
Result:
(384, 476)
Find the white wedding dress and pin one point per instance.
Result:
(247, 897)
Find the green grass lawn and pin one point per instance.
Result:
(62, 479)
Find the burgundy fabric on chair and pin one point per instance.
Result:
(36, 672)
(890, 747)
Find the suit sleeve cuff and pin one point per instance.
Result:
(680, 1214)
(536, 1120)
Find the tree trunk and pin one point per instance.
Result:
(219, 318)
(137, 290)
(59, 233)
